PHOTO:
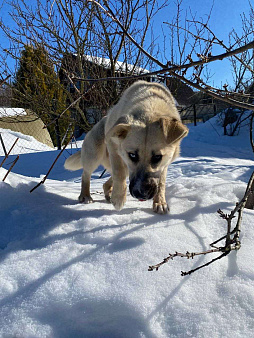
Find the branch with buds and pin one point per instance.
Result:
(232, 241)
(179, 70)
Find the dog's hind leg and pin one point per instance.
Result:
(91, 158)
(85, 196)
(93, 154)
(107, 187)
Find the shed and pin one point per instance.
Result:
(25, 122)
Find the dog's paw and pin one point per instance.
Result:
(85, 199)
(118, 200)
(117, 203)
(107, 193)
(108, 198)
(161, 208)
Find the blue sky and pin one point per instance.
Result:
(225, 16)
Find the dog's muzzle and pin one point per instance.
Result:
(144, 186)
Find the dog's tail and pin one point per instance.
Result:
(73, 162)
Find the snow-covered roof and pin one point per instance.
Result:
(8, 112)
(120, 66)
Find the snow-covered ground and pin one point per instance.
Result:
(73, 270)
(25, 144)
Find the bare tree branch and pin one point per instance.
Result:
(111, 14)
(4, 80)
(52, 166)
(230, 243)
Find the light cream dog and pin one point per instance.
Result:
(139, 137)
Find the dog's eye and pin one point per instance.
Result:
(156, 159)
(134, 157)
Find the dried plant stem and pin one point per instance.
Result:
(13, 164)
(4, 80)
(251, 131)
(3, 146)
(183, 273)
(187, 255)
(46, 176)
(230, 243)
(7, 153)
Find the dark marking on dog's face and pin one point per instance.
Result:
(143, 184)
(146, 153)
(146, 150)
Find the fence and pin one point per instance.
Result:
(201, 111)
(27, 127)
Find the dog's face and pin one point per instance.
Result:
(147, 150)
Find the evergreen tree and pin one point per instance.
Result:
(37, 87)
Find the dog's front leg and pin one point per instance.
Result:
(160, 205)
(119, 174)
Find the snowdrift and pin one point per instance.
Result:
(73, 270)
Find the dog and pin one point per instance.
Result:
(139, 137)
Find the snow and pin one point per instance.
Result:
(25, 144)
(7, 112)
(120, 66)
(74, 270)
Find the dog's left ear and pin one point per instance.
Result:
(173, 129)
(119, 131)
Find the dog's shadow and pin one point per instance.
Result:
(43, 219)
(34, 224)
(29, 223)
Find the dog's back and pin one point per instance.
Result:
(142, 100)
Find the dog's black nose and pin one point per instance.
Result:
(143, 191)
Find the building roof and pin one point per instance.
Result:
(120, 66)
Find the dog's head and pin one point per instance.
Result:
(147, 149)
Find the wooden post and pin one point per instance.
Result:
(214, 109)
(195, 115)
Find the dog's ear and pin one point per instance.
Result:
(119, 130)
(173, 129)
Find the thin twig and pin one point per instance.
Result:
(230, 243)
(111, 14)
(13, 164)
(225, 97)
(251, 131)
(174, 68)
(4, 80)
(7, 153)
(204, 265)
(3, 146)
(187, 255)
(46, 176)
(83, 96)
